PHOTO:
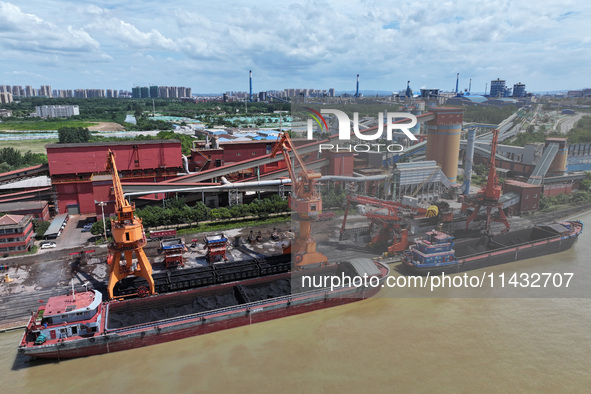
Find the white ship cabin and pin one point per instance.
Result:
(71, 315)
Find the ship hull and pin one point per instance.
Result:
(499, 256)
(155, 332)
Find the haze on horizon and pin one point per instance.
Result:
(309, 44)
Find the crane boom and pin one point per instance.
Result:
(128, 239)
(306, 203)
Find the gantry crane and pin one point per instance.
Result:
(129, 239)
(306, 203)
(488, 196)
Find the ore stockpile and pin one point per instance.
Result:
(468, 247)
(167, 306)
(190, 278)
(149, 310)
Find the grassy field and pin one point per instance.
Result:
(35, 146)
(42, 125)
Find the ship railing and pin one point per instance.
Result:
(248, 306)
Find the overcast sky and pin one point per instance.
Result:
(210, 45)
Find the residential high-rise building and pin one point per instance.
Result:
(5, 97)
(153, 91)
(45, 91)
(135, 92)
(144, 92)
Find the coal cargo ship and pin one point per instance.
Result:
(441, 253)
(81, 324)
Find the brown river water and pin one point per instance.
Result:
(384, 344)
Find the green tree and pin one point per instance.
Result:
(97, 227)
(68, 135)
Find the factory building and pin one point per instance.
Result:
(38, 209)
(519, 90)
(78, 171)
(497, 88)
(529, 196)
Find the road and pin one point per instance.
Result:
(566, 124)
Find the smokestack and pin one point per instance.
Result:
(457, 82)
(485, 88)
(408, 91)
(470, 85)
(469, 160)
(250, 81)
(357, 90)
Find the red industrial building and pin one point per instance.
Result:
(205, 157)
(38, 209)
(78, 170)
(16, 234)
(529, 195)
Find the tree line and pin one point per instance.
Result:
(176, 211)
(13, 159)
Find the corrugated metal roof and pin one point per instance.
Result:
(56, 225)
(39, 181)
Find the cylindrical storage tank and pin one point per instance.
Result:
(558, 166)
(443, 141)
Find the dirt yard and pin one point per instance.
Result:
(107, 126)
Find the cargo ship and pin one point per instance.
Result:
(82, 324)
(440, 253)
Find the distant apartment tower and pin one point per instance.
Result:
(111, 93)
(154, 92)
(80, 93)
(519, 90)
(135, 92)
(163, 92)
(144, 92)
(18, 91)
(29, 91)
(57, 111)
(497, 88)
(45, 91)
(5, 97)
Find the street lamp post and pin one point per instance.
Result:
(102, 204)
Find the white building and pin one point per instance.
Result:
(57, 111)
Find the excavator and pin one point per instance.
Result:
(129, 239)
(305, 202)
(488, 196)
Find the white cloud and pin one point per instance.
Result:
(27, 32)
(314, 43)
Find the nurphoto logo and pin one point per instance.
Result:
(344, 125)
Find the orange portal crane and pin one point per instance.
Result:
(129, 239)
(488, 196)
(306, 203)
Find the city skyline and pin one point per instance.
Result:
(315, 44)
